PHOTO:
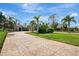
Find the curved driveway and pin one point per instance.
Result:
(20, 44)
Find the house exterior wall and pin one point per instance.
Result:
(18, 28)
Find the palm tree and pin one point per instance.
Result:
(52, 18)
(68, 19)
(37, 21)
(33, 25)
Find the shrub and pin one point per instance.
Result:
(43, 28)
(0, 29)
(71, 30)
(50, 30)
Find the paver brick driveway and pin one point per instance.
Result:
(20, 44)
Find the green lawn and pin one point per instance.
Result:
(72, 39)
(2, 38)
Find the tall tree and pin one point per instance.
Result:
(52, 18)
(2, 20)
(68, 19)
(7, 22)
(36, 18)
(12, 22)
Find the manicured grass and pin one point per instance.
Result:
(2, 38)
(72, 39)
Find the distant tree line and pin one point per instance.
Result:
(42, 27)
(9, 23)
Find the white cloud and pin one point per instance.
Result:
(61, 7)
(31, 8)
(74, 14)
(8, 13)
(42, 18)
(36, 8)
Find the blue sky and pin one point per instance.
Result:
(25, 12)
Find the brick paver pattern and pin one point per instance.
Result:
(21, 44)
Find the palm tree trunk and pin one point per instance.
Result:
(32, 28)
(37, 27)
(68, 26)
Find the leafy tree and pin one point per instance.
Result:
(12, 22)
(53, 22)
(7, 22)
(2, 20)
(44, 28)
(54, 25)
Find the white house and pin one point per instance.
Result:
(18, 27)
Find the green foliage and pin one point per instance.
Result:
(54, 26)
(49, 30)
(36, 18)
(67, 20)
(42, 28)
(71, 30)
(45, 29)
(33, 24)
(7, 22)
(53, 21)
